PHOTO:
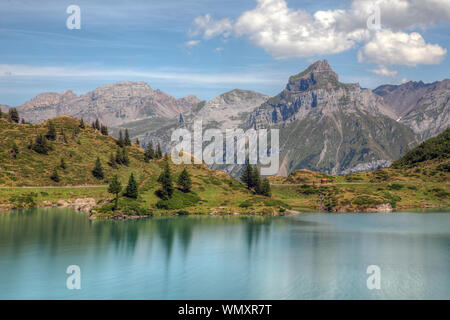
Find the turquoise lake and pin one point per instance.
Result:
(308, 256)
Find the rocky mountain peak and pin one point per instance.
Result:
(317, 75)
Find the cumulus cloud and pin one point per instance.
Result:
(285, 33)
(385, 72)
(400, 48)
(210, 28)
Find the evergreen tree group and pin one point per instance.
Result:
(40, 145)
(97, 126)
(13, 115)
(151, 153)
(252, 179)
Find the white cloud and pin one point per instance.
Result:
(192, 43)
(285, 33)
(11, 72)
(404, 80)
(400, 48)
(211, 28)
(385, 72)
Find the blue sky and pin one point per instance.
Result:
(208, 47)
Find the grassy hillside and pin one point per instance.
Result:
(25, 175)
(419, 179)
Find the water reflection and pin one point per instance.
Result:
(232, 257)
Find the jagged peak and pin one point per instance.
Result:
(317, 74)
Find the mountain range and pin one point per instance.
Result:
(325, 125)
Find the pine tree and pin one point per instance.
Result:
(256, 180)
(63, 165)
(184, 181)
(55, 175)
(137, 142)
(125, 159)
(120, 142)
(93, 125)
(97, 124)
(158, 151)
(104, 130)
(14, 115)
(23, 121)
(41, 145)
(149, 153)
(247, 175)
(119, 156)
(51, 133)
(127, 140)
(165, 179)
(132, 188)
(112, 161)
(98, 169)
(265, 188)
(115, 187)
(82, 126)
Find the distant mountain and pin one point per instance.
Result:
(113, 104)
(330, 126)
(425, 108)
(229, 110)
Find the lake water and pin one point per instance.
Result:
(309, 256)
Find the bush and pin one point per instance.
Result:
(307, 189)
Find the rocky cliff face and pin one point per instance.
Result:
(331, 126)
(425, 108)
(113, 104)
(229, 110)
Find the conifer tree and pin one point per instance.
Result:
(256, 180)
(119, 156)
(165, 179)
(112, 161)
(149, 153)
(137, 142)
(115, 187)
(98, 169)
(131, 190)
(127, 140)
(247, 175)
(14, 115)
(41, 145)
(184, 181)
(23, 121)
(97, 124)
(104, 130)
(120, 142)
(55, 175)
(51, 133)
(82, 126)
(158, 151)
(125, 159)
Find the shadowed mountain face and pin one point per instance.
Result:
(112, 104)
(425, 108)
(331, 126)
